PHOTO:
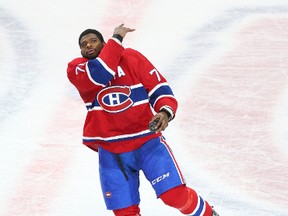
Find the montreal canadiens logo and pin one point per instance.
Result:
(108, 194)
(115, 98)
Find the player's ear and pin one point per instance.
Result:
(81, 52)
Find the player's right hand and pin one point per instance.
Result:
(122, 30)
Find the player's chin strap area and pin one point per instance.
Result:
(119, 161)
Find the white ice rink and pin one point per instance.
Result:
(227, 62)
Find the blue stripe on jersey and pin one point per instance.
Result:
(138, 94)
(99, 73)
(117, 138)
(162, 91)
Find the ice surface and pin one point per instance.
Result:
(227, 63)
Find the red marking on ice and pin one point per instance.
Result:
(231, 112)
(46, 172)
(129, 13)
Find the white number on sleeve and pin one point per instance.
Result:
(157, 74)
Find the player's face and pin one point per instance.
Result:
(90, 46)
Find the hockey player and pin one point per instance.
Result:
(123, 93)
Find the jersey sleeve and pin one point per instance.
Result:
(90, 76)
(159, 92)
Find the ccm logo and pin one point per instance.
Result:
(115, 98)
(160, 178)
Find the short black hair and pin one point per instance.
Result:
(93, 31)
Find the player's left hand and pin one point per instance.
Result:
(162, 121)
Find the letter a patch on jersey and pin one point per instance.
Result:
(120, 72)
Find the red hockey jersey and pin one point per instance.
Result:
(122, 91)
